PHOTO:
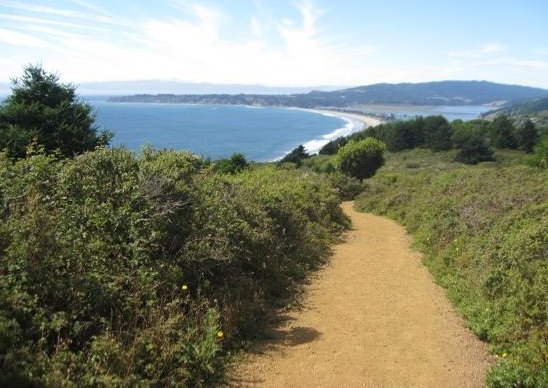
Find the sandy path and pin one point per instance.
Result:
(373, 318)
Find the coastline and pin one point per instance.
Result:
(367, 121)
(354, 123)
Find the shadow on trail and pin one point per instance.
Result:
(283, 333)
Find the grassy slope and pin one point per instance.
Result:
(484, 233)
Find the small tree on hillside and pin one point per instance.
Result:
(527, 136)
(296, 156)
(42, 110)
(361, 159)
(437, 133)
(470, 138)
(503, 133)
(237, 163)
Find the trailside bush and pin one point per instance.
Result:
(118, 270)
(361, 159)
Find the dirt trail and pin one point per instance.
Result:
(373, 317)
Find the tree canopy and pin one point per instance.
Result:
(361, 159)
(296, 156)
(45, 111)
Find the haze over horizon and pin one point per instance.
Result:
(303, 43)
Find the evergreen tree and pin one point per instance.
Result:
(470, 138)
(42, 110)
(527, 136)
(437, 133)
(502, 133)
(296, 156)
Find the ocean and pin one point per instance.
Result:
(218, 131)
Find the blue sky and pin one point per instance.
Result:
(278, 42)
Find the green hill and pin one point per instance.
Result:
(536, 110)
(438, 93)
(429, 93)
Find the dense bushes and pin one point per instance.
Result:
(484, 232)
(475, 139)
(117, 270)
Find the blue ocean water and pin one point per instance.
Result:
(218, 131)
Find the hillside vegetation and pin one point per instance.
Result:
(484, 233)
(125, 270)
(118, 270)
(535, 110)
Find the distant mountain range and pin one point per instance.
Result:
(428, 93)
(118, 88)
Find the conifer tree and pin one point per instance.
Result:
(44, 111)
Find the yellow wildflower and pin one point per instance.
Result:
(220, 334)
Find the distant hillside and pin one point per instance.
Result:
(524, 107)
(535, 110)
(438, 93)
(118, 88)
(429, 93)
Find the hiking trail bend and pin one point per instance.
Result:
(373, 317)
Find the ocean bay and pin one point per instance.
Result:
(218, 131)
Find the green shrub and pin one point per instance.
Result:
(121, 271)
(237, 163)
(540, 154)
(361, 159)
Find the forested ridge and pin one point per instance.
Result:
(428, 93)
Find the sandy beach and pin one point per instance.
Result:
(368, 121)
(357, 122)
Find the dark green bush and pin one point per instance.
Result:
(361, 159)
(540, 154)
(118, 270)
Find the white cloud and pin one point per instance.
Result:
(256, 27)
(542, 51)
(478, 52)
(532, 64)
(99, 17)
(91, 7)
(31, 20)
(16, 38)
(192, 47)
(491, 48)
